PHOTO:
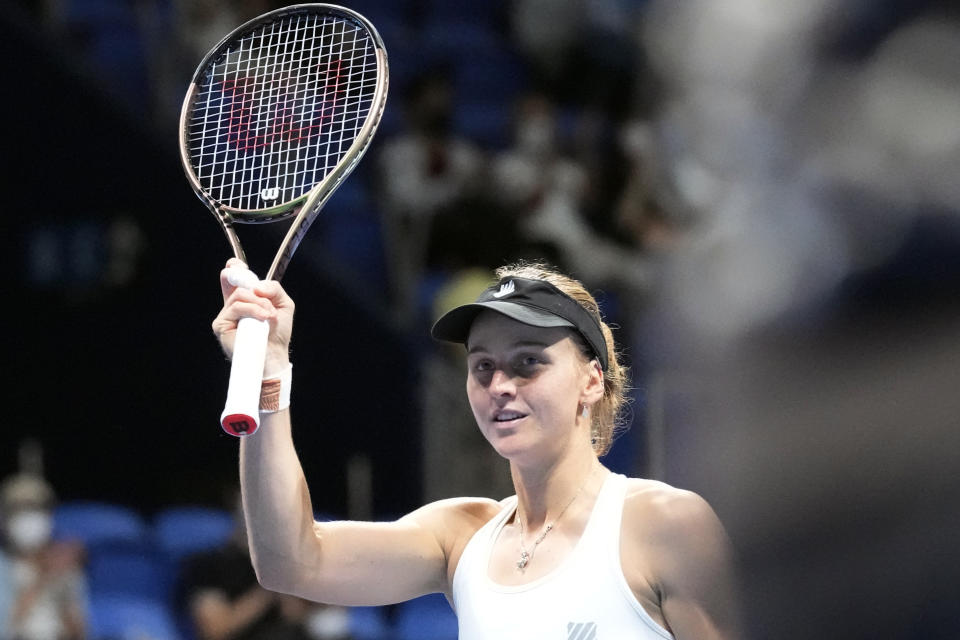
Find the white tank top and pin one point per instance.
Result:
(586, 598)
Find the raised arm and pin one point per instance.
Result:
(338, 562)
(682, 555)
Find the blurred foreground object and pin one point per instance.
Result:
(805, 337)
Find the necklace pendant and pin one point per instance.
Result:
(524, 559)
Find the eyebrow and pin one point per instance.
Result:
(515, 345)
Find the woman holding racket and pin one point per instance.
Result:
(578, 552)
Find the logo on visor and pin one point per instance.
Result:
(505, 289)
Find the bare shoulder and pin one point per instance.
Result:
(457, 508)
(678, 557)
(659, 510)
(452, 519)
(453, 522)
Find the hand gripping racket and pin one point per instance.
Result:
(277, 116)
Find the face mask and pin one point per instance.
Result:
(29, 530)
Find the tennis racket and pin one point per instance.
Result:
(276, 117)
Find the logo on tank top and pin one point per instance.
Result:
(581, 631)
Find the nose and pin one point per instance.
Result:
(502, 385)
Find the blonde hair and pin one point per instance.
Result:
(606, 415)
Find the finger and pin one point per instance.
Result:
(228, 276)
(274, 291)
(243, 295)
(225, 287)
(239, 309)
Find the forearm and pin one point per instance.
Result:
(276, 504)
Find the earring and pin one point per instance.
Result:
(586, 410)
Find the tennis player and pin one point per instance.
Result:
(578, 553)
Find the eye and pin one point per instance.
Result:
(527, 362)
(482, 365)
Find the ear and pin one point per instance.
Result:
(592, 390)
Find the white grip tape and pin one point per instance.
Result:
(241, 411)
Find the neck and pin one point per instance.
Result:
(543, 491)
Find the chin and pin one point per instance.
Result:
(515, 449)
(508, 446)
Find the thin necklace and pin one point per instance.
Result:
(526, 556)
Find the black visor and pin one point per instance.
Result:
(534, 302)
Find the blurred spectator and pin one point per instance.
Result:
(647, 211)
(546, 189)
(582, 51)
(546, 42)
(49, 595)
(224, 600)
(6, 593)
(807, 329)
(423, 170)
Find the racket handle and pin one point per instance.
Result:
(240, 415)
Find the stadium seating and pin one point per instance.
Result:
(121, 617)
(93, 523)
(426, 618)
(183, 530)
(369, 623)
(130, 569)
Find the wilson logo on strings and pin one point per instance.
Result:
(291, 114)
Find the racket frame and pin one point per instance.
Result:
(307, 205)
(241, 416)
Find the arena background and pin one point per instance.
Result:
(784, 266)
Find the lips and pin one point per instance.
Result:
(505, 416)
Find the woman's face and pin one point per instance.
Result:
(525, 385)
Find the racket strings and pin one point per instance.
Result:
(278, 109)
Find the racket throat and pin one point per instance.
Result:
(234, 241)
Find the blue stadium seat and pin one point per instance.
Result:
(97, 14)
(98, 522)
(485, 123)
(119, 57)
(426, 618)
(448, 40)
(490, 13)
(130, 570)
(351, 196)
(404, 57)
(379, 11)
(498, 75)
(352, 233)
(369, 623)
(126, 618)
(391, 122)
(180, 531)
